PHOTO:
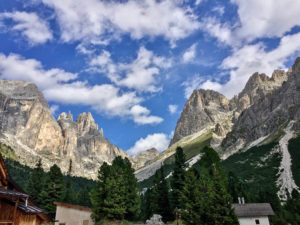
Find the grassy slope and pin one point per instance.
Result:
(192, 149)
(257, 166)
(294, 149)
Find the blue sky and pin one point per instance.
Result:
(133, 64)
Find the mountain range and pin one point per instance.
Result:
(265, 113)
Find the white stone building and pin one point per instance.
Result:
(253, 213)
(67, 214)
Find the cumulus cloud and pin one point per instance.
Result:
(96, 20)
(268, 18)
(142, 74)
(257, 19)
(160, 141)
(30, 25)
(223, 32)
(190, 54)
(172, 108)
(254, 58)
(63, 87)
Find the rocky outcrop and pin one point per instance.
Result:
(144, 158)
(27, 125)
(205, 108)
(210, 110)
(270, 113)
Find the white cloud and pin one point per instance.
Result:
(62, 87)
(223, 32)
(53, 109)
(197, 2)
(142, 74)
(219, 9)
(257, 19)
(172, 108)
(96, 20)
(254, 58)
(35, 29)
(15, 67)
(190, 54)
(268, 18)
(192, 84)
(159, 141)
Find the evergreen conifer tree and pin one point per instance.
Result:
(69, 195)
(35, 183)
(177, 182)
(53, 189)
(116, 194)
(163, 197)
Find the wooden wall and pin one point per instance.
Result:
(7, 211)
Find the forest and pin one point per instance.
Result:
(202, 194)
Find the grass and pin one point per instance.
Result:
(258, 166)
(192, 149)
(294, 150)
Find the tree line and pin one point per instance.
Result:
(202, 194)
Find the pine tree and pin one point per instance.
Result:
(163, 197)
(131, 192)
(205, 199)
(116, 194)
(53, 188)
(223, 213)
(35, 183)
(177, 182)
(190, 199)
(69, 195)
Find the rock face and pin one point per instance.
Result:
(272, 112)
(203, 109)
(144, 158)
(27, 125)
(264, 104)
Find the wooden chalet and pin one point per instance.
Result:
(15, 205)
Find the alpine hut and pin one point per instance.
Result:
(15, 205)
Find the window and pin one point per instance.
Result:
(257, 222)
(85, 222)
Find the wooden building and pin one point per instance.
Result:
(15, 205)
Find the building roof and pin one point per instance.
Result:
(29, 209)
(73, 206)
(253, 209)
(11, 193)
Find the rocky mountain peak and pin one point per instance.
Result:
(296, 66)
(86, 124)
(204, 109)
(144, 158)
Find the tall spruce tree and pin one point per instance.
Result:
(116, 194)
(163, 197)
(35, 183)
(69, 195)
(178, 179)
(53, 189)
(193, 206)
(205, 199)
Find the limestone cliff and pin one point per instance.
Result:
(144, 158)
(271, 113)
(210, 111)
(27, 125)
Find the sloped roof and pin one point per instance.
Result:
(83, 208)
(11, 193)
(253, 209)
